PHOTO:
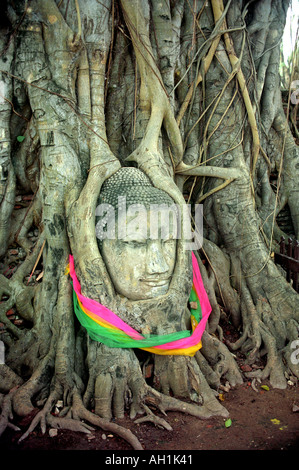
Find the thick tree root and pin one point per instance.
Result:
(44, 418)
(54, 154)
(9, 379)
(152, 418)
(76, 421)
(87, 415)
(222, 361)
(7, 414)
(265, 332)
(78, 418)
(167, 403)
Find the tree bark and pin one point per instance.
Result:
(189, 94)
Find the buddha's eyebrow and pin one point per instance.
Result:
(131, 237)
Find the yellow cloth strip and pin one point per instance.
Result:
(96, 318)
(175, 352)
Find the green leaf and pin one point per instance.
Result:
(228, 423)
(20, 138)
(265, 387)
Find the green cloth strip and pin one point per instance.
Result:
(119, 339)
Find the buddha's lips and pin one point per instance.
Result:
(156, 282)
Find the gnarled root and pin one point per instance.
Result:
(115, 379)
(7, 414)
(106, 425)
(152, 418)
(167, 403)
(120, 383)
(75, 421)
(9, 379)
(114, 386)
(221, 360)
(266, 333)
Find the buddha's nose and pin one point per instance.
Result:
(156, 263)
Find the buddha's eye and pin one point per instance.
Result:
(168, 241)
(136, 243)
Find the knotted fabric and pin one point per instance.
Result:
(106, 327)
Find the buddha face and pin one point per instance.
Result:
(141, 261)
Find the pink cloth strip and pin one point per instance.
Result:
(99, 309)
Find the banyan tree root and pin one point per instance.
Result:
(152, 418)
(76, 420)
(167, 403)
(78, 416)
(62, 142)
(75, 415)
(7, 413)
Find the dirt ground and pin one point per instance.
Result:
(260, 420)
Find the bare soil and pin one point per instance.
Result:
(262, 420)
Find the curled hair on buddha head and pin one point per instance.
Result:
(135, 186)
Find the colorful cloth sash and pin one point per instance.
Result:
(106, 327)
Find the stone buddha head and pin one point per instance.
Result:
(137, 232)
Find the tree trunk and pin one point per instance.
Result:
(189, 95)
